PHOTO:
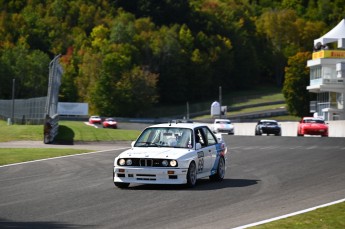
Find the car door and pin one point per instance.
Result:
(208, 149)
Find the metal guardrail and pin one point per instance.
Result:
(51, 124)
(51, 128)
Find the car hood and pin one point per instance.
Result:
(154, 152)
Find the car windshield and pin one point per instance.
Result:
(314, 121)
(223, 122)
(165, 137)
(269, 123)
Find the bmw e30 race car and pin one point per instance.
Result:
(172, 153)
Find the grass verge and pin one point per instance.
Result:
(330, 217)
(79, 131)
(16, 155)
(68, 131)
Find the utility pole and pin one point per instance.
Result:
(187, 110)
(220, 101)
(13, 90)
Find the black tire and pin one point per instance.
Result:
(121, 185)
(191, 175)
(219, 176)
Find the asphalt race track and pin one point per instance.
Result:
(268, 176)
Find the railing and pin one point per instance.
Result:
(326, 81)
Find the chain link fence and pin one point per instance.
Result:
(25, 111)
(37, 111)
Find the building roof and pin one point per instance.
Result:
(338, 32)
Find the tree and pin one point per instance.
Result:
(29, 68)
(295, 91)
(136, 91)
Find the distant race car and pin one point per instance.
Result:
(95, 119)
(109, 123)
(172, 153)
(268, 127)
(223, 126)
(312, 126)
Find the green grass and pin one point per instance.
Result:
(78, 131)
(11, 155)
(68, 131)
(20, 132)
(247, 110)
(330, 217)
(231, 99)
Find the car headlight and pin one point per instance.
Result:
(129, 162)
(165, 163)
(122, 161)
(173, 163)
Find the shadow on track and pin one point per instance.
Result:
(202, 185)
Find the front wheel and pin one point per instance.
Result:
(121, 185)
(191, 175)
(219, 176)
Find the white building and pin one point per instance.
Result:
(327, 74)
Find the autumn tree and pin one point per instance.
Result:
(295, 90)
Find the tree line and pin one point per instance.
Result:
(123, 57)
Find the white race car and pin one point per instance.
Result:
(172, 153)
(223, 126)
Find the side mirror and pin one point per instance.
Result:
(197, 146)
(132, 144)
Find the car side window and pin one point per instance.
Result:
(200, 138)
(211, 140)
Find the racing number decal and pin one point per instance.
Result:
(200, 161)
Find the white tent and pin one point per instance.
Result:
(334, 35)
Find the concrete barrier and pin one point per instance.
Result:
(336, 128)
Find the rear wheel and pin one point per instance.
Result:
(191, 175)
(219, 176)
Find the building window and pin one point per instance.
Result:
(315, 73)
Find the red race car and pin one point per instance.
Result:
(312, 126)
(110, 123)
(95, 119)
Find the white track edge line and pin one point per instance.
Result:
(51, 158)
(290, 214)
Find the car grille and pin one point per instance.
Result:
(147, 162)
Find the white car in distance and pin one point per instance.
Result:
(172, 153)
(223, 126)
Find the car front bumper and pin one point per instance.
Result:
(315, 132)
(228, 131)
(150, 175)
(266, 130)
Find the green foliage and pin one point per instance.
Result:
(296, 80)
(190, 47)
(29, 68)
